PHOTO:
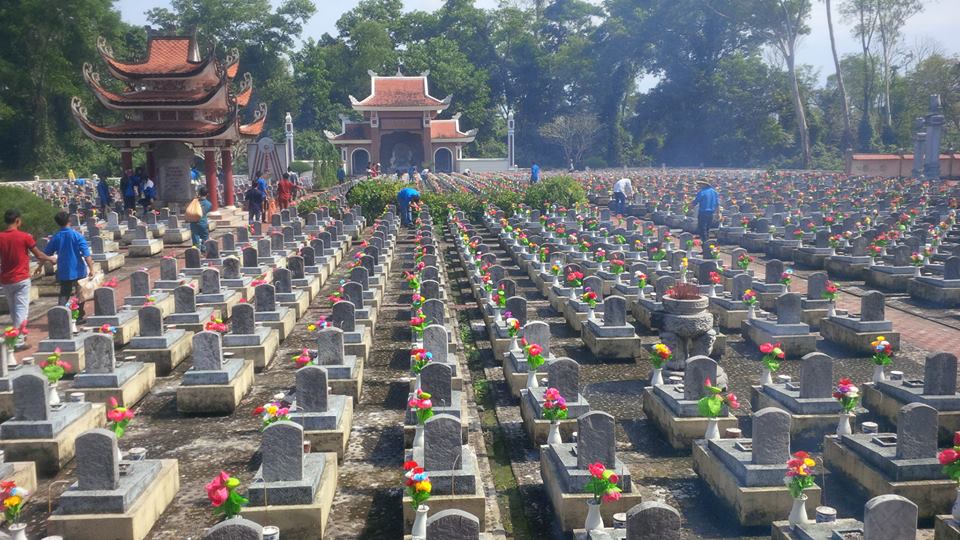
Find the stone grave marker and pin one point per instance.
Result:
(596, 440)
(98, 466)
(890, 517)
(816, 376)
(207, 351)
(771, 436)
(653, 520)
(442, 449)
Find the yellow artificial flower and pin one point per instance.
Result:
(271, 410)
(424, 486)
(311, 327)
(10, 502)
(881, 339)
(807, 462)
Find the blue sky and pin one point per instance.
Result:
(937, 23)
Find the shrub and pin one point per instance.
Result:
(37, 214)
(561, 190)
(374, 195)
(300, 167)
(306, 206)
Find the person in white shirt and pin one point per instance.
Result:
(622, 190)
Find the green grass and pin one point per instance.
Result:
(37, 214)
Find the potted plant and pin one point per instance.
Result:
(684, 299)
(554, 410)
(831, 292)
(222, 493)
(799, 477)
(711, 405)
(589, 297)
(772, 354)
(848, 395)
(603, 486)
(513, 328)
(418, 487)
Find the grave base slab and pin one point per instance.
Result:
(516, 380)
(129, 394)
(302, 520)
(134, 524)
(941, 296)
(6, 406)
(782, 530)
(215, 398)
(285, 325)
(112, 263)
(176, 236)
(165, 360)
(888, 407)
(680, 432)
(855, 341)
(752, 506)
(728, 319)
(51, 455)
(333, 440)
(932, 497)
(299, 305)
(538, 429)
(806, 430)
(945, 528)
(349, 387)
(361, 349)
(472, 503)
(796, 346)
(262, 355)
(571, 508)
(149, 249)
(842, 269)
(610, 347)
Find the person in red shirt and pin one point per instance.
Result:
(285, 191)
(15, 249)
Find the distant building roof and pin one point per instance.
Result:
(399, 93)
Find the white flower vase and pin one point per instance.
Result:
(641, 294)
(751, 312)
(766, 376)
(418, 437)
(556, 280)
(713, 430)
(798, 514)
(843, 425)
(532, 379)
(418, 382)
(73, 326)
(878, 374)
(590, 314)
(54, 398)
(657, 378)
(712, 293)
(553, 436)
(18, 531)
(419, 531)
(656, 265)
(594, 519)
(513, 343)
(832, 310)
(916, 271)
(616, 279)
(496, 315)
(956, 507)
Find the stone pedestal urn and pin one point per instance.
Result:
(687, 329)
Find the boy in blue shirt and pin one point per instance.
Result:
(72, 252)
(708, 203)
(406, 196)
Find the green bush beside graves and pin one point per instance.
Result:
(37, 214)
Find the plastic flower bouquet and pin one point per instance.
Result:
(831, 292)
(555, 269)
(74, 306)
(617, 266)
(787, 277)
(750, 297)
(602, 484)
(216, 325)
(417, 482)
(772, 354)
(544, 254)
(321, 324)
(419, 323)
(882, 351)
(499, 297)
(711, 405)
(715, 278)
(554, 406)
(589, 297)
(641, 279)
(13, 498)
(222, 493)
(303, 358)
(119, 417)
(743, 261)
(916, 259)
(273, 411)
(950, 459)
(513, 327)
(661, 355)
(847, 394)
(420, 357)
(10, 336)
(54, 368)
(422, 405)
(534, 353)
(600, 255)
(658, 254)
(575, 279)
(799, 474)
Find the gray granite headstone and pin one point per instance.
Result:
(615, 311)
(774, 271)
(151, 321)
(360, 275)
(282, 450)
(30, 396)
(168, 269)
(330, 349)
(104, 301)
(430, 289)
(140, 283)
(212, 249)
(191, 257)
(662, 285)
(58, 322)
(858, 247)
(344, 316)
(265, 298)
(251, 257)
(434, 310)
(872, 307)
(789, 309)
(517, 306)
(311, 388)
(435, 340)
(242, 320)
(951, 268)
(210, 281)
(538, 332)
(890, 517)
(98, 468)
(940, 375)
(436, 379)
(704, 271)
(442, 443)
(184, 299)
(207, 351)
(699, 369)
(771, 436)
(282, 280)
(98, 351)
(295, 265)
(917, 432)
(453, 524)
(816, 285)
(564, 375)
(231, 268)
(653, 520)
(816, 376)
(353, 292)
(596, 440)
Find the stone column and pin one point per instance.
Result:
(935, 120)
(919, 140)
(226, 158)
(210, 169)
(151, 164)
(511, 155)
(126, 159)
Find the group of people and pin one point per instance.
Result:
(257, 196)
(67, 248)
(135, 187)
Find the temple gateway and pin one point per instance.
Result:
(401, 128)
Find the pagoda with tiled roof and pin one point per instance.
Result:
(175, 95)
(400, 128)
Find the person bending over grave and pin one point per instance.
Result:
(406, 196)
(72, 252)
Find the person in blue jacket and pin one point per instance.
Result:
(406, 196)
(72, 252)
(707, 202)
(534, 173)
(103, 195)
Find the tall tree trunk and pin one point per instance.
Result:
(798, 109)
(847, 138)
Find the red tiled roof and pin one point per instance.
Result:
(445, 129)
(400, 92)
(254, 128)
(166, 56)
(153, 98)
(129, 129)
(243, 98)
(232, 69)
